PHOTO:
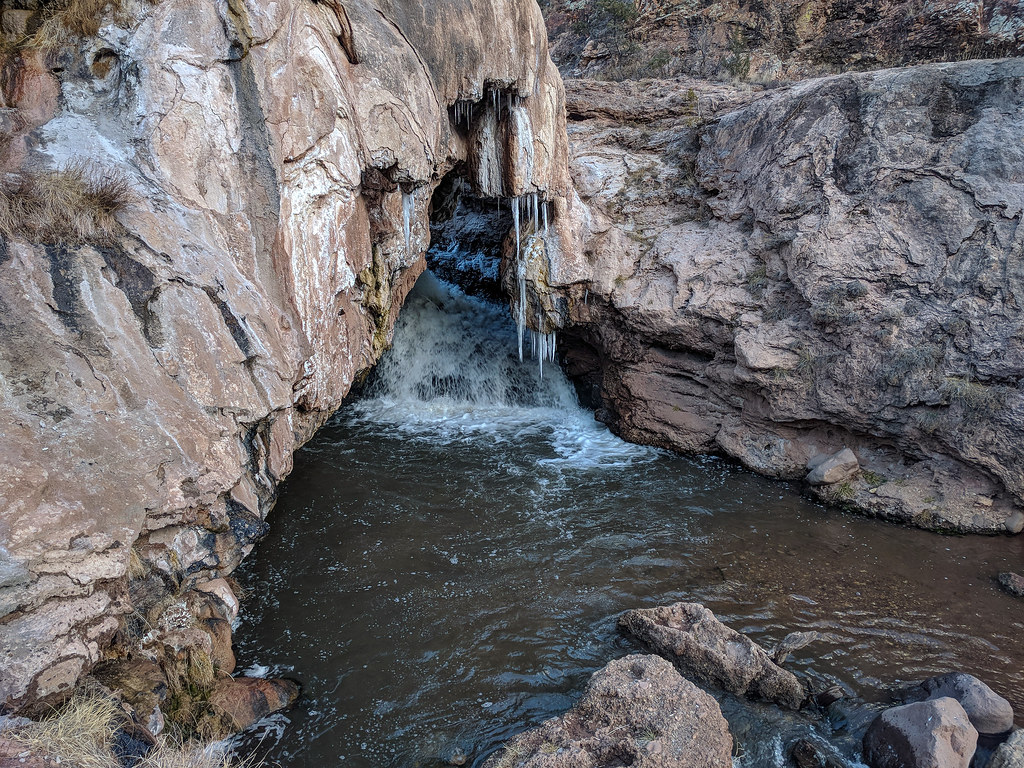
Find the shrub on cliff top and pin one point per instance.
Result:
(71, 206)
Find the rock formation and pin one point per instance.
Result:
(157, 372)
(636, 711)
(710, 653)
(764, 42)
(821, 270)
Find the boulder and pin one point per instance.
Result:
(710, 653)
(989, 712)
(926, 734)
(1012, 583)
(248, 699)
(636, 711)
(221, 653)
(1009, 754)
(840, 466)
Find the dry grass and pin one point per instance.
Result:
(80, 734)
(65, 21)
(69, 206)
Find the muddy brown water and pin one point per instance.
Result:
(445, 567)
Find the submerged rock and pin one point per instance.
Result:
(927, 734)
(637, 711)
(989, 712)
(1012, 583)
(707, 651)
(807, 753)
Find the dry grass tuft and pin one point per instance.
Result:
(70, 206)
(65, 21)
(79, 733)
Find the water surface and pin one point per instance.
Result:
(447, 560)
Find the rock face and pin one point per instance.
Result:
(779, 275)
(785, 40)
(928, 734)
(156, 380)
(636, 711)
(706, 650)
(989, 713)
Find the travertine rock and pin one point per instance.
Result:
(776, 275)
(636, 711)
(155, 384)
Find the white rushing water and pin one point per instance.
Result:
(454, 373)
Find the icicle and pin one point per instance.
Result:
(470, 120)
(408, 211)
(544, 209)
(536, 218)
(494, 100)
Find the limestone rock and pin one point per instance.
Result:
(834, 469)
(1012, 583)
(248, 699)
(764, 279)
(707, 651)
(637, 711)
(927, 734)
(1009, 754)
(989, 713)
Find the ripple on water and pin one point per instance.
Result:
(446, 564)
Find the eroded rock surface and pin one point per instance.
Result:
(156, 382)
(779, 275)
(707, 651)
(636, 711)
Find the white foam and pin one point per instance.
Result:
(453, 374)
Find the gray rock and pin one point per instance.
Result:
(637, 711)
(927, 734)
(794, 641)
(707, 651)
(807, 753)
(989, 712)
(1009, 754)
(842, 465)
(1012, 583)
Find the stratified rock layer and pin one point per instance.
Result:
(783, 274)
(156, 383)
(636, 711)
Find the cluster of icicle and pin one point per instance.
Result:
(535, 210)
(499, 100)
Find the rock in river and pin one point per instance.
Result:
(637, 711)
(927, 734)
(707, 651)
(989, 712)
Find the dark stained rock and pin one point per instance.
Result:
(247, 699)
(636, 711)
(1012, 583)
(989, 712)
(707, 651)
(927, 734)
(141, 683)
